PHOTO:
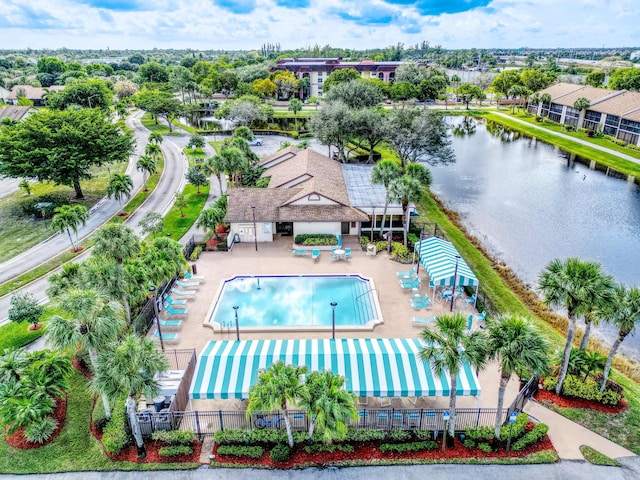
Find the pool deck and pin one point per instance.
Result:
(277, 258)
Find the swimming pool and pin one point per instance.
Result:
(295, 302)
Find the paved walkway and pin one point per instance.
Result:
(573, 139)
(565, 470)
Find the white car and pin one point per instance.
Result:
(256, 142)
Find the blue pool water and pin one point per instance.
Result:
(295, 301)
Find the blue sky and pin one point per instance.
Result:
(359, 24)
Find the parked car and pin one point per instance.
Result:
(256, 142)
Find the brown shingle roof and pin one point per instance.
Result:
(266, 200)
(619, 104)
(560, 89)
(594, 95)
(32, 93)
(284, 153)
(15, 112)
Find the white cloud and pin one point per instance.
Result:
(200, 24)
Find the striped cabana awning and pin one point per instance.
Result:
(439, 259)
(382, 367)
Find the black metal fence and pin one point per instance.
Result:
(145, 318)
(189, 247)
(525, 393)
(205, 423)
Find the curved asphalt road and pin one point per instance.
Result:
(160, 201)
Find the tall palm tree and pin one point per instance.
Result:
(295, 105)
(276, 386)
(545, 98)
(164, 259)
(93, 321)
(517, 346)
(576, 286)
(447, 347)
(328, 405)
(153, 150)
(155, 137)
(120, 186)
(210, 218)
(59, 282)
(118, 243)
(406, 190)
(624, 312)
(383, 173)
(147, 165)
(230, 161)
(128, 368)
(67, 219)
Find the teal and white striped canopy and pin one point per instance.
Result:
(439, 259)
(381, 367)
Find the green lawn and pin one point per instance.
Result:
(75, 449)
(176, 225)
(609, 160)
(19, 233)
(193, 156)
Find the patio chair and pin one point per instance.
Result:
(408, 274)
(189, 276)
(413, 419)
(397, 420)
(481, 318)
(315, 255)
(175, 311)
(382, 419)
(171, 301)
(170, 323)
(180, 283)
(183, 293)
(298, 252)
(167, 337)
(420, 321)
(347, 253)
(471, 300)
(470, 322)
(363, 418)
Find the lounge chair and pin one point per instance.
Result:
(170, 323)
(171, 301)
(300, 253)
(410, 285)
(422, 320)
(408, 281)
(315, 255)
(175, 311)
(180, 283)
(167, 337)
(470, 322)
(189, 276)
(408, 274)
(420, 302)
(183, 293)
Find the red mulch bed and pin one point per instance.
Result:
(130, 454)
(570, 402)
(369, 452)
(17, 439)
(82, 367)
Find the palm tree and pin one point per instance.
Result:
(147, 165)
(277, 385)
(67, 219)
(128, 368)
(624, 312)
(406, 189)
(328, 405)
(118, 243)
(383, 173)
(93, 321)
(230, 161)
(581, 104)
(209, 219)
(576, 286)
(154, 150)
(120, 186)
(59, 282)
(448, 348)
(155, 137)
(164, 258)
(545, 98)
(295, 105)
(517, 346)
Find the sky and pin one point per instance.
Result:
(357, 24)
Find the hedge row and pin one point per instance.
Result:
(316, 239)
(241, 451)
(539, 431)
(588, 389)
(175, 450)
(408, 447)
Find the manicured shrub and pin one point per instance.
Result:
(356, 435)
(485, 447)
(412, 239)
(196, 253)
(400, 253)
(468, 443)
(539, 431)
(589, 389)
(316, 239)
(25, 307)
(115, 436)
(479, 433)
(408, 447)
(423, 434)
(263, 436)
(241, 451)
(328, 448)
(364, 241)
(175, 451)
(381, 246)
(280, 452)
(516, 429)
(550, 383)
(40, 430)
(174, 437)
(396, 435)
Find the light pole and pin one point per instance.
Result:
(152, 289)
(235, 308)
(333, 319)
(255, 231)
(455, 279)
